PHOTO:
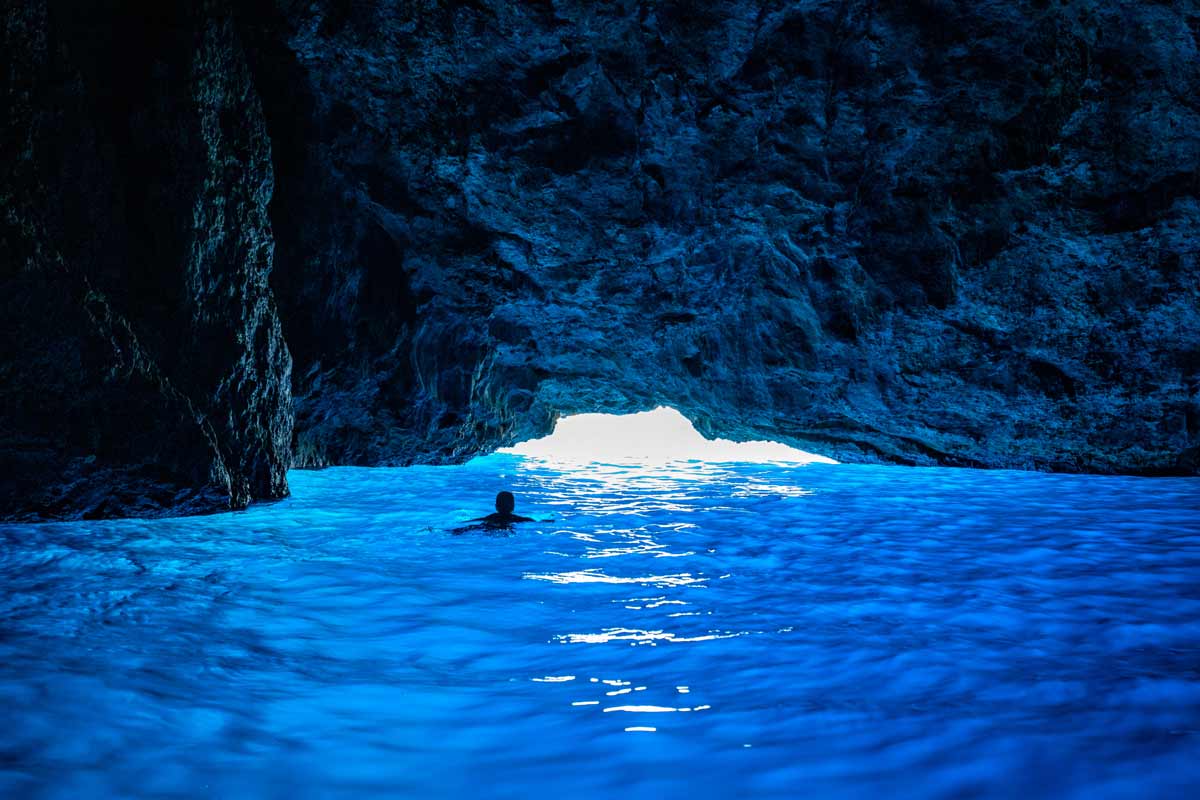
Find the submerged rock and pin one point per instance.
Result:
(915, 232)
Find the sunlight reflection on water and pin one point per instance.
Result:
(719, 630)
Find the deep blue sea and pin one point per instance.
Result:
(698, 631)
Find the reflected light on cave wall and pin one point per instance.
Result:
(656, 436)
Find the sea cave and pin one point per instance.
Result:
(832, 368)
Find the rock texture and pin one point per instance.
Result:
(143, 368)
(919, 231)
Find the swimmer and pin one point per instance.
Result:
(504, 516)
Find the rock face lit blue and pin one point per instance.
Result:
(919, 231)
(821, 631)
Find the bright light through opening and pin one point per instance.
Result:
(656, 436)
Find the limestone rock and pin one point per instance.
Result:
(916, 232)
(143, 365)
(921, 232)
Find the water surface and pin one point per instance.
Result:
(702, 631)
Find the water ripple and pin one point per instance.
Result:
(831, 631)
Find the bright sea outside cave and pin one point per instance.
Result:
(755, 623)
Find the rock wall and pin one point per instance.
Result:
(143, 366)
(919, 231)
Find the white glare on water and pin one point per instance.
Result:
(657, 436)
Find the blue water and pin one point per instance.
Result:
(706, 631)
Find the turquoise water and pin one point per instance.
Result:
(703, 631)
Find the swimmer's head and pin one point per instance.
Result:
(505, 503)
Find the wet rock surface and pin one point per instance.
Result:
(144, 370)
(920, 232)
(915, 232)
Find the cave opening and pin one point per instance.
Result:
(659, 436)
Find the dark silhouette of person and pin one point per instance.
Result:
(504, 516)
